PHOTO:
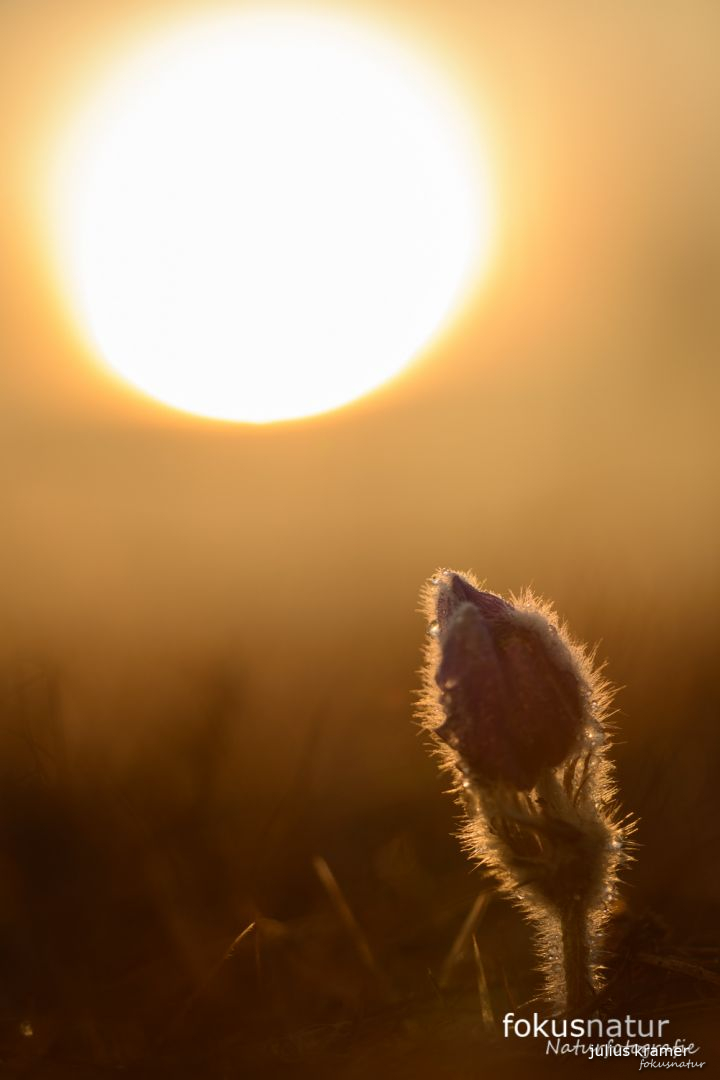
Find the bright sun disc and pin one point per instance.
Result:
(264, 216)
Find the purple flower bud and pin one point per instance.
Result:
(513, 696)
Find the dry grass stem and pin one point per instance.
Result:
(459, 945)
(348, 920)
(486, 1009)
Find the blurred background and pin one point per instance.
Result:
(209, 636)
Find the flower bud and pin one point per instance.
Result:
(513, 696)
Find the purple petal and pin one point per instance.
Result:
(455, 590)
(475, 700)
(513, 704)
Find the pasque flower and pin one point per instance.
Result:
(513, 698)
(519, 714)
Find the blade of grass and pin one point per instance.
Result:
(462, 939)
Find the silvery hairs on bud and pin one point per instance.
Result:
(519, 714)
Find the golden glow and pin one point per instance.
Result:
(264, 216)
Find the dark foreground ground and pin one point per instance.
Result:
(155, 923)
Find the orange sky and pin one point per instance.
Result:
(561, 433)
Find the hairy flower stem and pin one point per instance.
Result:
(552, 851)
(576, 960)
(579, 924)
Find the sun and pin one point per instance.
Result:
(263, 216)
